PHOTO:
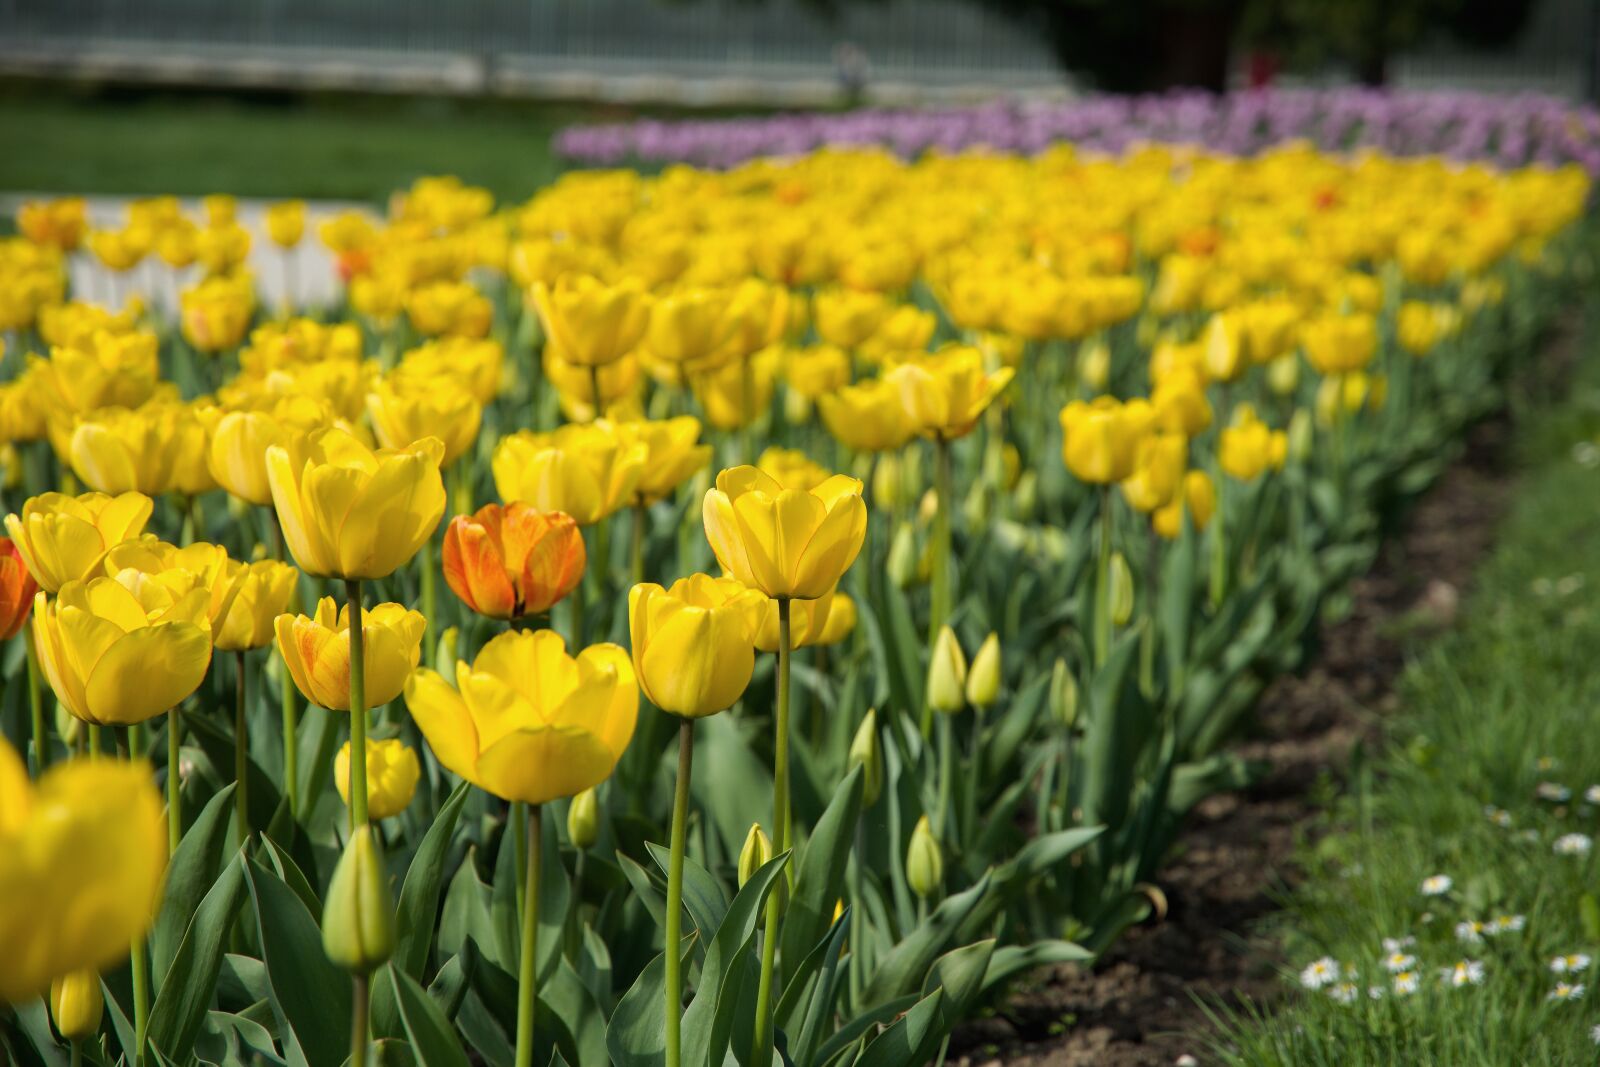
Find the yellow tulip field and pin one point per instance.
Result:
(702, 617)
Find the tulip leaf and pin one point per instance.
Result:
(729, 966)
(819, 880)
(901, 971)
(1013, 728)
(433, 1040)
(419, 896)
(742, 787)
(637, 1033)
(850, 1032)
(483, 1033)
(645, 888)
(1010, 960)
(310, 997)
(702, 894)
(180, 1007)
(33, 1018)
(466, 914)
(912, 1038)
(190, 875)
(960, 975)
(284, 866)
(569, 1000)
(816, 976)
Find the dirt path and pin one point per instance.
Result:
(1137, 1009)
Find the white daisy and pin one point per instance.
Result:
(1398, 944)
(1467, 972)
(1469, 931)
(1570, 964)
(1499, 816)
(1505, 924)
(1594, 1034)
(1405, 983)
(1565, 991)
(1553, 791)
(1319, 973)
(1399, 961)
(1345, 992)
(1574, 845)
(1547, 763)
(1592, 795)
(1436, 885)
(1376, 992)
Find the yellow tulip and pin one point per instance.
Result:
(392, 773)
(529, 722)
(736, 393)
(924, 860)
(106, 370)
(348, 512)
(216, 313)
(587, 470)
(1346, 394)
(824, 621)
(1158, 466)
(589, 322)
(947, 674)
(1224, 349)
(195, 566)
(1340, 344)
(847, 317)
(868, 416)
(791, 468)
(405, 411)
(122, 650)
(1180, 402)
(476, 363)
(1249, 446)
(63, 538)
(358, 913)
(816, 371)
(262, 591)
(619, 385)
(82, 857)
(785, 542)
(1198, 498)
(115, 450)
(76, 1004)
(983, 678)
(905, 329)
(222, 247)
(316, 649)
(1101, 438)
(673, 453)
(695, 328)
(449, 309)
(946, 393)
(237, 452)
(693, 645)
(286, 222)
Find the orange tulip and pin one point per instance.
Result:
(16, 590)
(511, 560)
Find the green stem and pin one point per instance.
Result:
(527, 977)
(41, 743)
(940, 596)
(241, 753)
(360, 1000)
(358, 707)
(430, 597)
(291, 744)
(858, 911)
(94, 740)
(969, 805)
(947, 772)
(517, 820)
(174, 782)
(780, 843)
(1102, 582)
(575, 599)
(598, 402)
(138, 962)
(641, 515)
(77, 1053)
(680, 819)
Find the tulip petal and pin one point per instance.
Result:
(537, 766)
(442, 716)
(148, 671)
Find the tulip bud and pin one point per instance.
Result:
(1300, 436)
(1063, 694)
(1094, 365)
(444, 657)
(358, 916)
(796, 407)
(928, 507)
(947, 674)
(903, 557)
(756, 853)
(76, 1004)
(583, 819)
(866, 752)
(888, 482)
(924, 862)
(1025, 498)
(1283, 374)
(1121, 590)
(67, 725)
(983, 680)
(975, 509)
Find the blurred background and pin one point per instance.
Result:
(350, 99)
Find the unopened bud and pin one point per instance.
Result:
(1121, 590)
(1283, 374)
(924, 862)
(358, 915)
(756, 853)
(1063, 694)
(444, 658)
(583, 819)
(888, 482)
(1301, 433)
(796, 407)
(947, 674)
(866, 752)
(1094, 364)
(903, 557)
(76, 1004)
(983, 680)
(975, 508)
(1025, 498)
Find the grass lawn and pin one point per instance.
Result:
(1467, 843)
(62, 141)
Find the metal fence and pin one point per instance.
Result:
(631, 47)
